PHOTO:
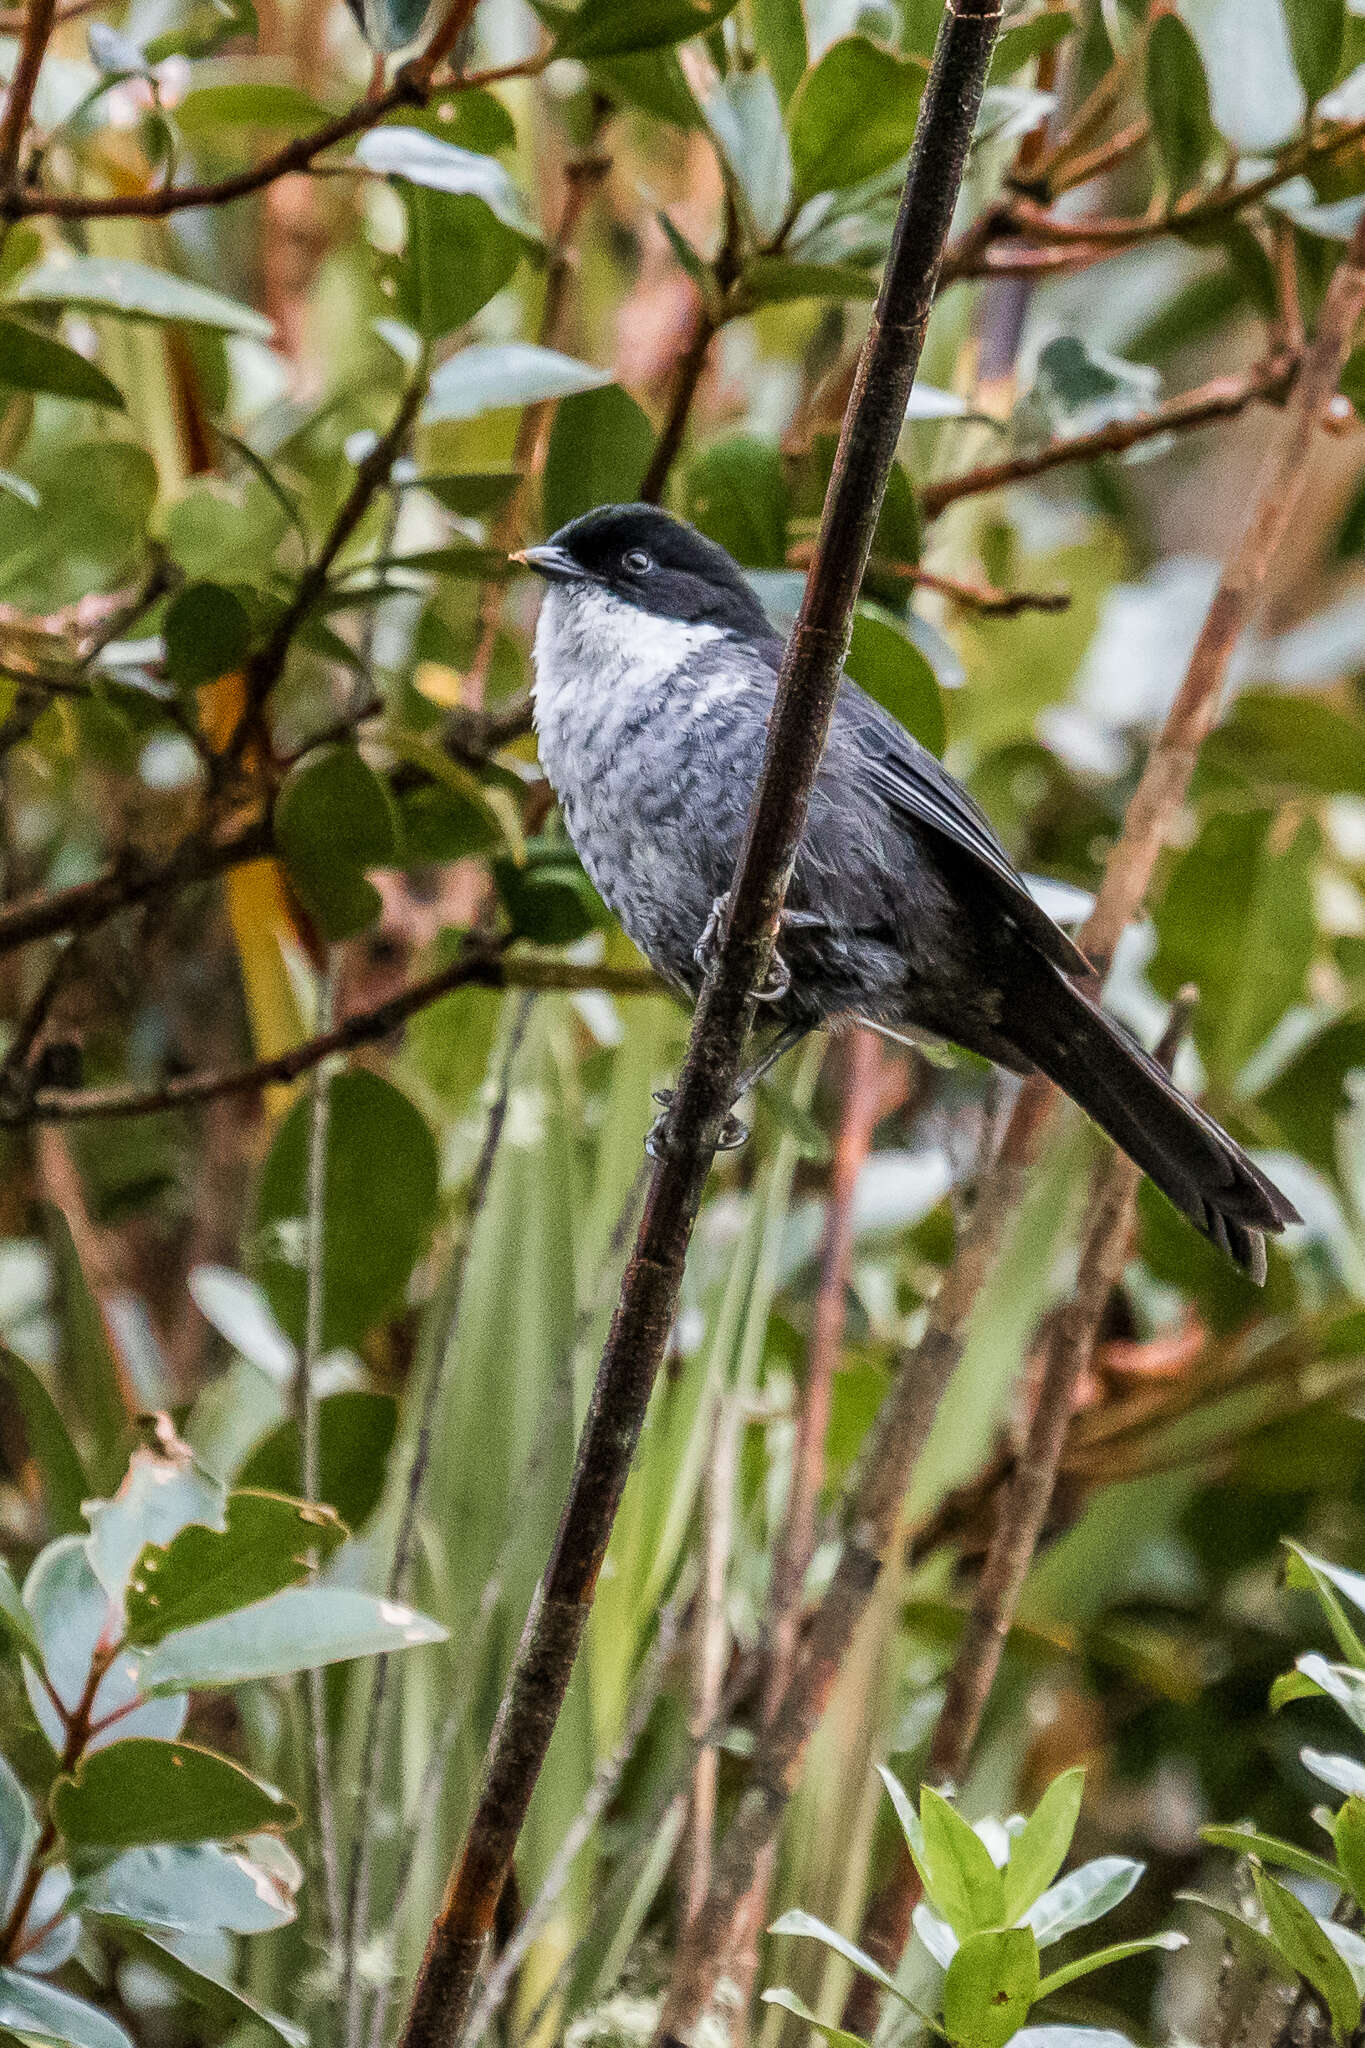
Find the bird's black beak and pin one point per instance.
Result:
(555, 564)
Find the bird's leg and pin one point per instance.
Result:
(779, 980)
(733, 1133)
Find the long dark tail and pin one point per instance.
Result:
(1194, 1162)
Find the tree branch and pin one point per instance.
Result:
(1222, 398)
(411, 87)
(871, 1516)
(481, 963)
(804, 704)
(39, 23)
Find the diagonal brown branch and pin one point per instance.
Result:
(804, 703)
(1222, 398)
(871, 1516)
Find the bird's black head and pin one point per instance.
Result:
(661, 565)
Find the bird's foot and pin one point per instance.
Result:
(733, 1133)
(778, 979)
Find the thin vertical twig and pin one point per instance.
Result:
(306, 1414)
(373, 1744)
(806, 690)
(39, 23)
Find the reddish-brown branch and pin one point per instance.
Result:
(806, 691)
(411, 86)
(39, 22)
(1222, 398)
(871, 1516)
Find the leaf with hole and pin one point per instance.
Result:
(268, 1542)
(991, 1983)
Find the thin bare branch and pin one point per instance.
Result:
(39, 21)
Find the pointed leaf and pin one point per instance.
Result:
(1327, 1580)
(906, 1814)
(18, 1835)
(1248, 1841)
(493, 375)
(1038, 1851)
(1348, 1834)
(789, 2002)
(225, 2001)
(49, 1445)
(37, 2011)
(991, 1983)
(1317, 30)
(295, 1631)
(1253, 1941)
(797, 1922)
(963, 1883)
(1342, 1773)
(14, 1621)
(33, 361)
(1101, 1958)
(189, 1885)
(1308, 1950)
(1082, 1896)
(147, 1791)
(134, 291)
(1340, 1682)
(1178, 101)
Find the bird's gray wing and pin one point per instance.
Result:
(917, 788)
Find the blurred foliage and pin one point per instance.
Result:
(264, 733)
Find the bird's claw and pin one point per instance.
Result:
(778, 980)
(733, 1133)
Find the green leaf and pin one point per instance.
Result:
(1317, 31)
(963, 1883)
(1236, 919)
(494, 375)
(1252, 1940)
(269, 1542)
(184, 1886)
(550, 901)
(1325, 1580)
(1308, 1950)
(599, 449)
(1101, 1958)
(830, 150)
(736, 493)
(789, 2002)
(89, 532)
(37, 2011)
(780, 33)
(772, 280)
(145, 1791)
(885, 662)
(297, 1630)
(225, 2001)
(1024, 40)
(459, 255)
(1082, 1896)
(906, 1814)
(356, 1430)
(419, 157)
(162, 1492)
(133, 291)
(1248, 1841)
(73, 1615)
(65, 1483)
(991, 1983)
(797, 1922)
(744, 115)
(207, 633)
(613, 28)
(1342, 1773)
(220, 99)
(33, 361)
(1348, 1836)
(381, 1194)
(471, 494)
(14, 1620)
(333, 819)
(1038, 1851)
(18, 1837)
(1308, 1097)
(1257, 99)
(1178, 102)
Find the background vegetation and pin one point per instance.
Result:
(296, 340)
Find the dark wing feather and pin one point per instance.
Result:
(917, 788)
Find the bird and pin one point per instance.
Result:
(655, 673)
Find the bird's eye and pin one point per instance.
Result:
(637, 560)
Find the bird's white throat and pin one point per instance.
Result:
(591, 645)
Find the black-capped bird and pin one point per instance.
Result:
(655, 673)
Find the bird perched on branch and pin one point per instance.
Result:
(655, 673)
